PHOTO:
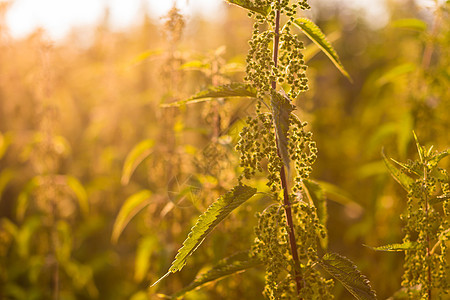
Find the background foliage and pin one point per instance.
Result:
(71, 112)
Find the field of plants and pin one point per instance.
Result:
(285, 152)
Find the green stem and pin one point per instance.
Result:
(286, 202)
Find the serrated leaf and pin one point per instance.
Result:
(396, 247)
(132, 206)
(221, 91)
(313, 32)
(139, 152)
(231, 265)
(247, 4)
(344, 270)
(413, 24)
(215, 214)
(404, 180)
(80, 192)
(316, 195)
(281, 110)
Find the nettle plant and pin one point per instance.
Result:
(291, 232)
(426, 229)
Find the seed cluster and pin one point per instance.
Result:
(272, 246)
(290, 69)
(427, 227)
(257, 145)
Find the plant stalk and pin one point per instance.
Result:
(286, 202)
(425, 170)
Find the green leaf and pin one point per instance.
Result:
(221, 91)
(342, 269)
(316, 195)
(23, 198)
(80, 192)
(144, 251)
(139, 152)
(215, 214)
(393, 74)
(313, 32)
(195, 65)
(413, 24)
(132, 206)
(234, 264)
(247, 4)
(404, 180)
(145, 55)
(5, 141)
(281, 110)
(396, 247)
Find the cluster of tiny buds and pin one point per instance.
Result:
(257, 144)
(290, 69)
(425, 225)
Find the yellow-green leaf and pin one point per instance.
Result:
(80, 192)
(139, 152)
(234, 264)
(313, 32)
(222, 91)
(132, 206)
(344, 270)
(396, 247)
(215, 214)
(404, 180)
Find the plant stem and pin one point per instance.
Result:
(425, 170)
(286, 202)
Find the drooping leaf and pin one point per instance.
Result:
(222, 91)
(344, 270)
(145, 55)
(195, 65)
(215, 214)
(413, 24)
(404, 180)
(313, 32)
(396, 247)
(247, 4)
(144, 251)
(231, 265)
(5, 141)
(132, 206)
(23, 198)
(281, 110)
(80, 193)
(395, 73)
(312, 49)
(139, 152)
(316, 195)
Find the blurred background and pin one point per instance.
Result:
(82, 132)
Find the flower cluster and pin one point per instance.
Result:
(272, 247)
(427, 227)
